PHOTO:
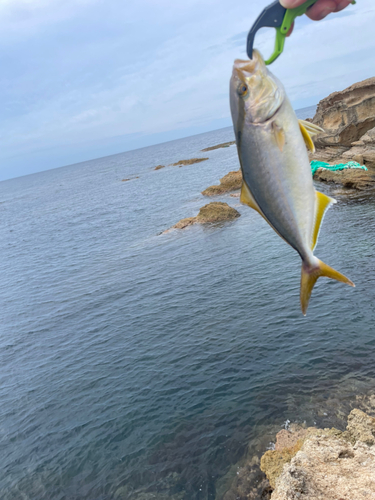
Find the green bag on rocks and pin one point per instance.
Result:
(341, 166)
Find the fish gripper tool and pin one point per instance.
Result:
(278, 17)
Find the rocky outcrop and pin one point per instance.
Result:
(158, 167)
(325, 464)
(347, 115)
(350, 178)
(181, 163)
(230, 182)
(361, 427)
(218, 146)
(348, 118)
(213, 212)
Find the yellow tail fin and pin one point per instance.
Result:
(310, 275)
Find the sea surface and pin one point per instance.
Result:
(139, 365)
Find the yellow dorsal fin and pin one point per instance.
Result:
(306, 136)
(279, 135)
(322, 203)
(247, 198)
(311, 128)
(308, 131)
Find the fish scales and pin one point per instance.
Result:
(289, 211)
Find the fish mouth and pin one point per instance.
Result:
(246, 68)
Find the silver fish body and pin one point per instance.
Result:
(275, 165)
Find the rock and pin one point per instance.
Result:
(158, 167)
(230, 182)
(289, 438)
(213, 212)
(330, 464)
(361, 427)
(185, 222)
(223, 145)
(273, 461)
(348, 118)
(349, 178)
(367, 403)
(328, 468)
(188, 162)
(125, 180)
(346, 115)
(250, 484)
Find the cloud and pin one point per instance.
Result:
(81, 72)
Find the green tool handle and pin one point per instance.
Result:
(289, 18)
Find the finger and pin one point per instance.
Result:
(290, 30)
(290, 4)
(342, 5)
(321, 9)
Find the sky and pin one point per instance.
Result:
(82, 79)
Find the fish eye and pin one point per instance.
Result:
(242, 90)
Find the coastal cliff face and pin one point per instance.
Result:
(347, 115)
(312, 464)
(348, 118)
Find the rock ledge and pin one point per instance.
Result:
(325, 464)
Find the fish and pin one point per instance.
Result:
(277, 181)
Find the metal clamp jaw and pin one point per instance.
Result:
(278, 17)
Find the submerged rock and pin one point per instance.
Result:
(230, 182)
(188, 162)
(213, 212)
(326, 464)
(218, 146)
(250, 484)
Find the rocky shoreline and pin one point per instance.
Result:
(310, 463)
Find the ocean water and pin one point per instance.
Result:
(138, 365)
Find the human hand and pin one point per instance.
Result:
(320, 9)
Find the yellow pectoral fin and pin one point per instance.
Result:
(322, 203)
(248, 199)
(279, 135)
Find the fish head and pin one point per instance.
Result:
(255, 94)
